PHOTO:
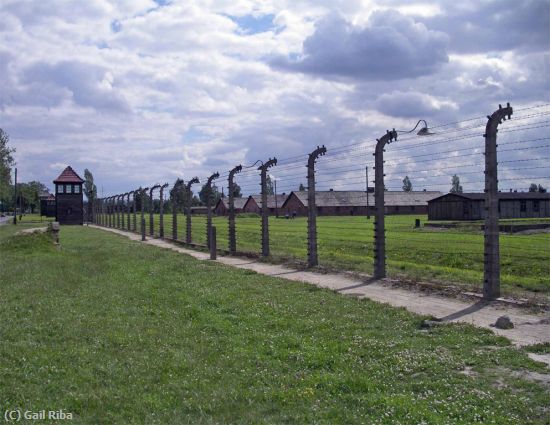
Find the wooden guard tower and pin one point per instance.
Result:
(69, 202)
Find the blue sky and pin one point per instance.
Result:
(143, 91)
(250, 24)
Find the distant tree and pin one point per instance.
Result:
(537, 188)
(407, 185)
(455, 185)
(237, 193)
(29, 195)
(269, 185)
(302, 188)
(90, 189)
(177, 194)
(195, 201)
(213, 192)
(6, 164)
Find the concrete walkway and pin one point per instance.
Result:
(529, 328)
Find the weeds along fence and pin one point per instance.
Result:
(357, 206)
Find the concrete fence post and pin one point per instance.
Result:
(106, 211)
(152, 211)
(129, 210)
(265, 211)
(161, 211)
(100, 211)
(122, 211)
(231, 199)
(142, 195)
(209, 206)
(379, 225)
(312, 255)
(134, 209)
(110, 211)
(117, 211)
(113, 212)
(213, 243)
(491, 268)
(174, 202)
(97, 211)
(188, 199)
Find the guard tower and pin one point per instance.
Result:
(69, 202)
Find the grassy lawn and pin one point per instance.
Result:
(118, 332)
(34, 218)
(346, 243)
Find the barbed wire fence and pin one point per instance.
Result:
(310, 232)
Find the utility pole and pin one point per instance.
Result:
(312, 256)
(367, 182)
(379, 229)
(491, 269)
(209, 206)
(15, 200)
(265, 211)
(232, 235)
(188, 199)
(161, 211)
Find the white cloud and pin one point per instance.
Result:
(139, 92)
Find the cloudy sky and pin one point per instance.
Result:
(143, 91)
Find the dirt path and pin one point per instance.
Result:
(529, 328)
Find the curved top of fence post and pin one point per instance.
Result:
(320, 151)
(192, 181)
(153, 189)
(234, 171)
(212, 178)
(164, 186)
(387, 138)
(269, 163)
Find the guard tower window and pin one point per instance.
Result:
(76, 188)
(60, 188)
(68, 188)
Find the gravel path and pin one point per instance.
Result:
(528, 328)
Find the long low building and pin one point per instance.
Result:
(335, 202)
(471, 206)
(332, 202)
(274, 204)
(222, 206)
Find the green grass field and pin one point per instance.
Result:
(114, 332)
(346, 243)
